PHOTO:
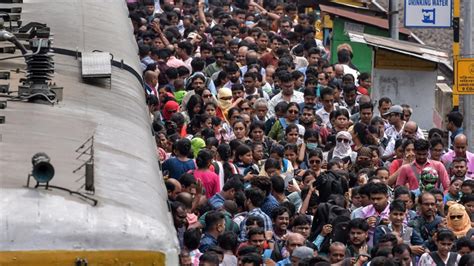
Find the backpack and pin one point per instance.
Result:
(453, 257)
(406, 234)
(329, 183)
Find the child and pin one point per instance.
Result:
(454, 191)
(396, 226)
(442, 257)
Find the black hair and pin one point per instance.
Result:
(435, 141)
(401, 190)
(384, 100)
(212, 218)
(183, 146)
(192, 238)
(240, 151)
(228, 241)
(455, 117)
(233, 183)
(272, 163)
(398, 205)
(255, 231)
(368, 105)
(198, 64)
(358, 223)
(255, 195)
(446, 234)
(326, 91)
(204, 158)
(466, 260)
(263, 183)
(209, 257)
(187, 179)
(388, 238)
(464, 242)
(421, 145)
(467, 198)
(281, 107)
(378, 188)
(252, 258)
(278, 184)
(301, 219)
(279, 211)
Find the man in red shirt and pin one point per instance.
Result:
(410, 173)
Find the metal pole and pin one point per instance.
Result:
(456, 24)
(468, 51)
(393, 19)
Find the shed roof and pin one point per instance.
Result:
(366, 19)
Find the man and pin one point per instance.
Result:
(218, 53)
(327, 99)
(287, 94)
(265, 184)
(151, 82)
(339, 71)
(459, 168)
(234, 75)
(240, 58)
(366, 112)
(308, 117)
(250, 85)
(384, 105)
(271, 58)
(285, 27)
(337, 252)
(377, 213)
(358, 236)
(173, 187)
(254, 200)
(215, 226)
(323, 79)
(409, 173)
(329, 70)
(293, 241)
(180, 222)
(231, 187)
(428, 221)
(350, 95)
(184, 52)
(344, 58)
(313, 55)
(454, 125)
(261, 110)
(395, 118)
(262, 43)
(264, 246)
(460, 151)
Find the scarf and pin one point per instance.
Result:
(169, 108)
(459, 226)
(225, 105)
(342, 149)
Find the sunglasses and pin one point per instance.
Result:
(293, 111)
(226, 98)
(207, 96)
(456, 217)
(314, 161)
(343, 140)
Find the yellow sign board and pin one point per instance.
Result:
(464, 74)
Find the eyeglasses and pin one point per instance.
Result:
(343, 140)
(314, 161)
(456, 217)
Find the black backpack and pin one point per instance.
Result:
(330, 183)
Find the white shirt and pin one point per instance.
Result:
(297, 97)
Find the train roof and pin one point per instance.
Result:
(132, 211)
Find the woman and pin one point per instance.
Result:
(343, 149)
(169, 109)
(243, 160)
(458, 221)
(436, 149)
(193, 107)
(311, 140)
(408, 147)
(277, 131)
(210, 108)
(207, 96)
(209, 179)
(257, 134)
(291, 154)
(180, 164)
(292, 134)
(360, 136)
(226, 167)
(240, 130)
(315, 160)
(245, 106)
(224, 103)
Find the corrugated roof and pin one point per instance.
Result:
(374, 21)
(404, 47)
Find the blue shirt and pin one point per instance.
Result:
(284, 262)
(269, 204)
(216, 201)
(267, 223)
(207, 241)
(177, 168)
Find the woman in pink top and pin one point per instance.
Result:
(209, 179)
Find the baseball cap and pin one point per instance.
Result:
(394, 109)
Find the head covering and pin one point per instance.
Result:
(342, 149)
(224, 104)
(428, 179)
(396, 109)
(197, 144)
(179, 95)
(458, 226)
(169, 109)
(303, 253)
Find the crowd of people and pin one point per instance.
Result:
(272, 155)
